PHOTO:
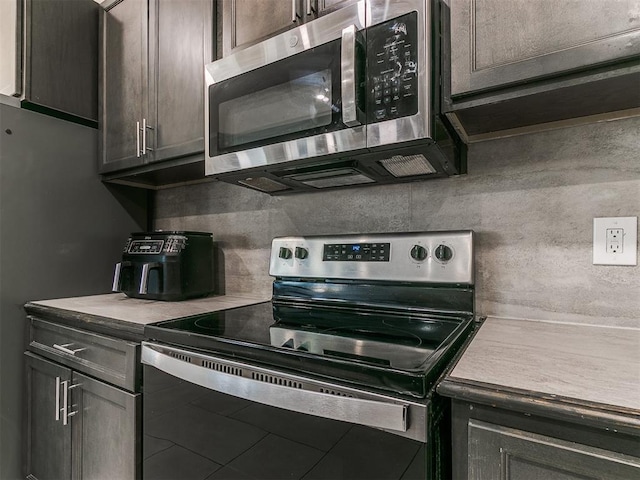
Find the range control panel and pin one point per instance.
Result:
(427, 257)
(392, 69)
(357, 252)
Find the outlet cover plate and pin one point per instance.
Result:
(625, 247)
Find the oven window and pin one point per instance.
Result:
(300, 104)
(295, 97)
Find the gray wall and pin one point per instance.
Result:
(531, 199)
(61, 231)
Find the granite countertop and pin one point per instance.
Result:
(125, 317)
(581, 370)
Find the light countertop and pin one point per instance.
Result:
(115, 312)
(587, 364)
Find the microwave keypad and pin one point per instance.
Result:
(392, 69)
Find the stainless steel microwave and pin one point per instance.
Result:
(351, 98)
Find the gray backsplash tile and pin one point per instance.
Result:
(531, 200)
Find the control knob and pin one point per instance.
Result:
(301, 253)
(284, 253)
(443, 253)
(418, 253)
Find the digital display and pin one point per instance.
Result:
(146, 246)
(356, 252)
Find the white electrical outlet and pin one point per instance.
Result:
(615, 241)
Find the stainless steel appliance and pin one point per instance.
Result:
(352, 98)
(166, 265)
(334, 378)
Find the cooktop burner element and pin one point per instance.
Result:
(343, 311)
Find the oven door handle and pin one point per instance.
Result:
(373, 413)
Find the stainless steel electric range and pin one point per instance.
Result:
(334, 378)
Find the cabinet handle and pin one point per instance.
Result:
(63, 348)
(66, 414)
(57, 399)
(144, 136)
(138, 139)
(311, 8)
(294, 11)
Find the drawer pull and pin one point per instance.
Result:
(63, 348)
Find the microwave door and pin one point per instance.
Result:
(300, 107)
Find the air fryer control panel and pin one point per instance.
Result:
(392, 69)
(149, 246)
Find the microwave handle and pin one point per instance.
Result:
(144, 277)
(116, 276)
(348, 85)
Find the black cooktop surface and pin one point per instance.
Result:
(401, 352)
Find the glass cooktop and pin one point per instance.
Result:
(403, 352)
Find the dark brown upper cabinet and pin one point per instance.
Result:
(247, 22)
(152, 59)
(57, 58)
(517, 63)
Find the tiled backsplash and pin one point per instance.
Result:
(531, 200)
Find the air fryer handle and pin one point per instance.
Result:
(116, 276)
(144, 278)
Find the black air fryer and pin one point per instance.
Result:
(166, 266)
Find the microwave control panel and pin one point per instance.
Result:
(392, 69)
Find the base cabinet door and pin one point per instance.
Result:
(104, 431)
(79, 427)
(48, 449)
(499, 452)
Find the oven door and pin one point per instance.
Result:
(209, 417)
(294, 96)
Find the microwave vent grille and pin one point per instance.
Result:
(332, 177)
(263, 184)
(408, 166)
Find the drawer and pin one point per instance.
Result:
(109, 359)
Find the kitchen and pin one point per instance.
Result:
(530, 198)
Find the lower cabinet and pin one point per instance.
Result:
(494, 444)
(78, 426)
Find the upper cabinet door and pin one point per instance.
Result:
(123, 84)
(500, 42)
(327, 6)
(181, 36)
(246, 22)
(11, 50)
(60, 64)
